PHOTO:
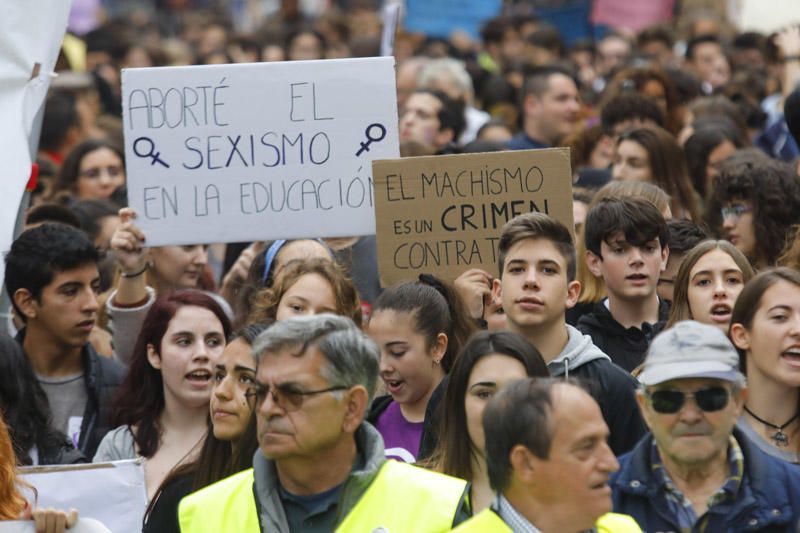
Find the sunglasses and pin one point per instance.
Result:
(287, 397)
(668, 401)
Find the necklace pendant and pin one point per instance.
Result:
(780, 438)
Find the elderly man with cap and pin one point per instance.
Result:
(695, 471)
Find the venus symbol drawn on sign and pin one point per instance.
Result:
(370, 138)
(148, 152)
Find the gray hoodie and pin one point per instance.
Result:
(579, 350)
(612, 387)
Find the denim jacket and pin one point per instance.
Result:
(768, 499)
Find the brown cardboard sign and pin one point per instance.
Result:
(442, 215)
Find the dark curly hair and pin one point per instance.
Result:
(40, 253)
(774, 190)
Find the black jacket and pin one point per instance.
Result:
(625, 346)
(430, 434)
(615, 392)
(612, 387)
(102, 376)
(60, 453)
(574, 314)
(163, 517)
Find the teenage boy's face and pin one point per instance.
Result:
(67, 308)
(630, 272)
(534, 287)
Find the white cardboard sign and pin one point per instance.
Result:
(84, 525)
(112, 493)
(227, 153)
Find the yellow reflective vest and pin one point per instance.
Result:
(488, 521)
(617, 523)
(227, 505)
(401, 498)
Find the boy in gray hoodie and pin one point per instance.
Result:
(537, 285)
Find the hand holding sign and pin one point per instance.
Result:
(50, 520)
(475, 287)
(128, 243)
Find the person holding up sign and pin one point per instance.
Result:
(420, 327)
(145, 273)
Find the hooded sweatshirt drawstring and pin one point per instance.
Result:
(578, 351)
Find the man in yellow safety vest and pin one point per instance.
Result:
(549, 462)
(320, 467)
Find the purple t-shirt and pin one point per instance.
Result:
(400, 437)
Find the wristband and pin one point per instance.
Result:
(134, 274)
(794, 57)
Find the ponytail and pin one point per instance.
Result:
(437, 308)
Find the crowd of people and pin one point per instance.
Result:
(637, 371)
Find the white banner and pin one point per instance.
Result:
(84, 525)
(112, 493)
(29, 44)
(244, 152)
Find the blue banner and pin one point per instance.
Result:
(440, 18)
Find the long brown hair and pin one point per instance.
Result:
(455, 451)
(749, 300)
(667, 166)
(680, 301)
(217, 459)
